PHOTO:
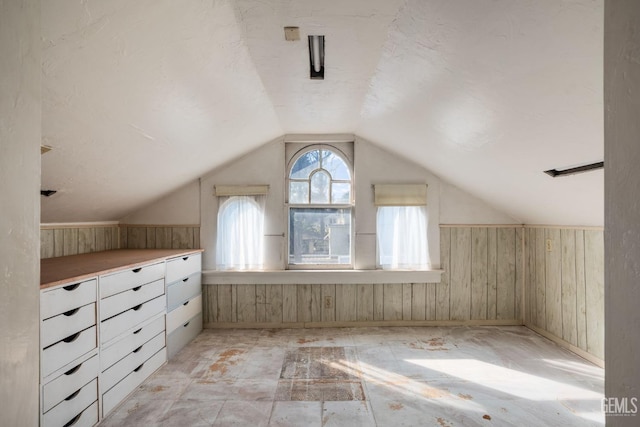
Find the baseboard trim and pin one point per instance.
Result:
(360, 324)
(562, 343)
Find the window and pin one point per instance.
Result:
(401, 226)
(320, 196)
(402, 237)
(240, 239)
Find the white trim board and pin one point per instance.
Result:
(313, 277)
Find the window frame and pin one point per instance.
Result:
(350, 206)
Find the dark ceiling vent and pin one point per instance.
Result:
(316, 57)
(47, 193)
(554, 173)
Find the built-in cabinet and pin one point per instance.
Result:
(184, 302)
(102, 336)
(69, 357)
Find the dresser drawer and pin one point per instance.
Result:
(66, 351)
(123, 301)
(137, 357)
(117, 393)
(179, 268)
(63, 386)
(61, 326)
(128, 343)
(68, 297)
(184, 312)
(130, 319)
(183, 335)
(72, 405)
(183, 290)
(129, 279)
(87, 418)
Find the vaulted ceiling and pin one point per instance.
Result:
(140, 97)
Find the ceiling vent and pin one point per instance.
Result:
(554, 173)
(316, 57)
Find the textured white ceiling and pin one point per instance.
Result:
(143, 96)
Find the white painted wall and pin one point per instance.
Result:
(373, 165)
(20, 118)
(459, 207)
(180, 207)
(622, 214)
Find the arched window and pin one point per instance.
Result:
(240, 234)
(320, 196)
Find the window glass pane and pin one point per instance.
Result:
(401, 234)
(320, 187)
(306, 164)
(335, 166)
(340, 192)
(319, 236)
(298, 192)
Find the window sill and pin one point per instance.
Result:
(314, 277)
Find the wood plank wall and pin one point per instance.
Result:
(55, 242)
(159, 237)
(66, 240)
(482, 284)
(565, 285)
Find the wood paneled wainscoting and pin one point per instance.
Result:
(81, 238)
(159, 236)
(565, 287)
(480, 283)
(74, 239)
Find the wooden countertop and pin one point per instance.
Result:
(74, 268)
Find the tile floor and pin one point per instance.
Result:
(410, 376)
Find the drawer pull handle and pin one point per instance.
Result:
(137, 307)
(185, 280)
(185, 258)
(186, 324)
(71, 287)
(73, 370)
(137, 332)
(73, 421)
(138, 368)
(71, 312)
(137, 349)
(71, 338)
(73, 395)
(137, 270)
(136, 289)
(187, 302)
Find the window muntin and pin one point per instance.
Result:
(320, 209)
(240, 234)
(401, 234)
(316, 174)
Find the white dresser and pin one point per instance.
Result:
(108, 320)
(69, 355)
(184, 301)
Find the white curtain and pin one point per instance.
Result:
(240, 236)
(402, 237)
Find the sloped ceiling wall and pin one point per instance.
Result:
(141, 97)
